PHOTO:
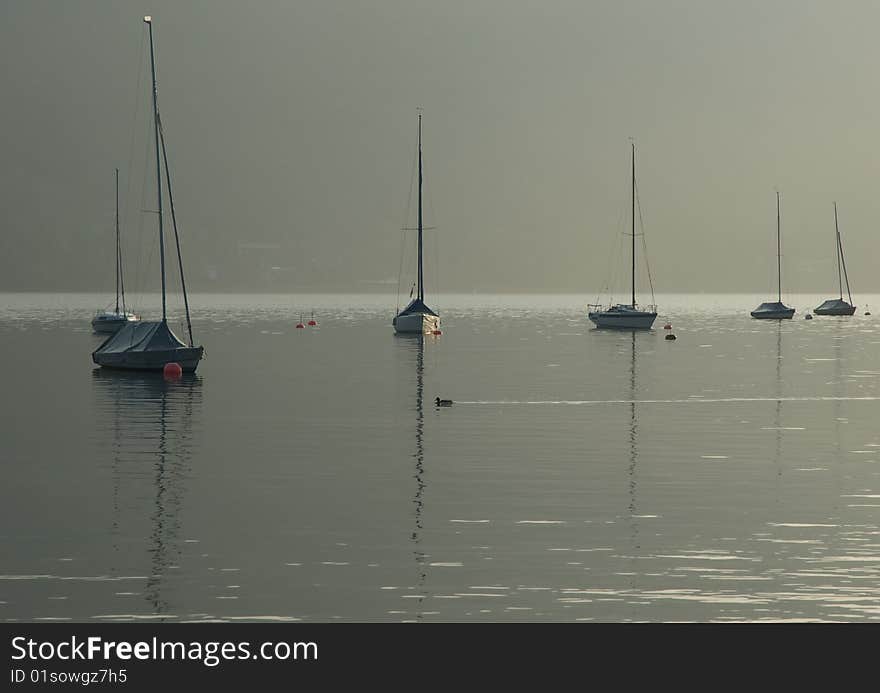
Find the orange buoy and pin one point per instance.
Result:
(172, 371)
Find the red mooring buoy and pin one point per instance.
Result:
(436, 332)
(312, 323)
(172, 371)
(667, 326)
(300, 326)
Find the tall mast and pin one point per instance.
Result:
(634, 225)
(149, 20)
(778, 250)
(421, 273)
(837, 244)
(842, 258)
(117, 241)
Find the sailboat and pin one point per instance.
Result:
(417, 318)
(775, 310)
(626, 316)
(837, 306)
(109, 321)
(149, 346)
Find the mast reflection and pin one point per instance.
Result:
(414, 345)
(839, 392)
(632, 482)
(633, 449)
(779, 395)
(152, 434)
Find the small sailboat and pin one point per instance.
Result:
(775, 310)
(149, 346)
(621, 315)
(109, 321)
(837, 306)
(417, 318)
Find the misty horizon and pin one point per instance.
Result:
(292, 132)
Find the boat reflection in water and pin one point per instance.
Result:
(149, 425)
(633, 447)
(635, 517)
(414, 348)
(777, 422)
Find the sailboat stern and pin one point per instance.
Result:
(416, 323)
(416, 318)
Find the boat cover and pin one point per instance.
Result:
(772, 307)
(417, 306)
(141, 336)
(835, 304)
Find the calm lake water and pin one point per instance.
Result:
(305, 474)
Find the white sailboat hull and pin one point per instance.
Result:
(109, 323)
(416, 323)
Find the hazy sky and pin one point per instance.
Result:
(291, 128)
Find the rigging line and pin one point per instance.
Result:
(845, 277)
(616, 275)
(148, 269)
(119, 248)
(140, 281)
(645, 245)
(437, 270)
(174, 225)
(614, 252)
(400, 269)
(842, 258)
(403, 227)
(617, 254)
(130, 178)
(134, 128)
(839, 268)
(620, 251)
(432, 227)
